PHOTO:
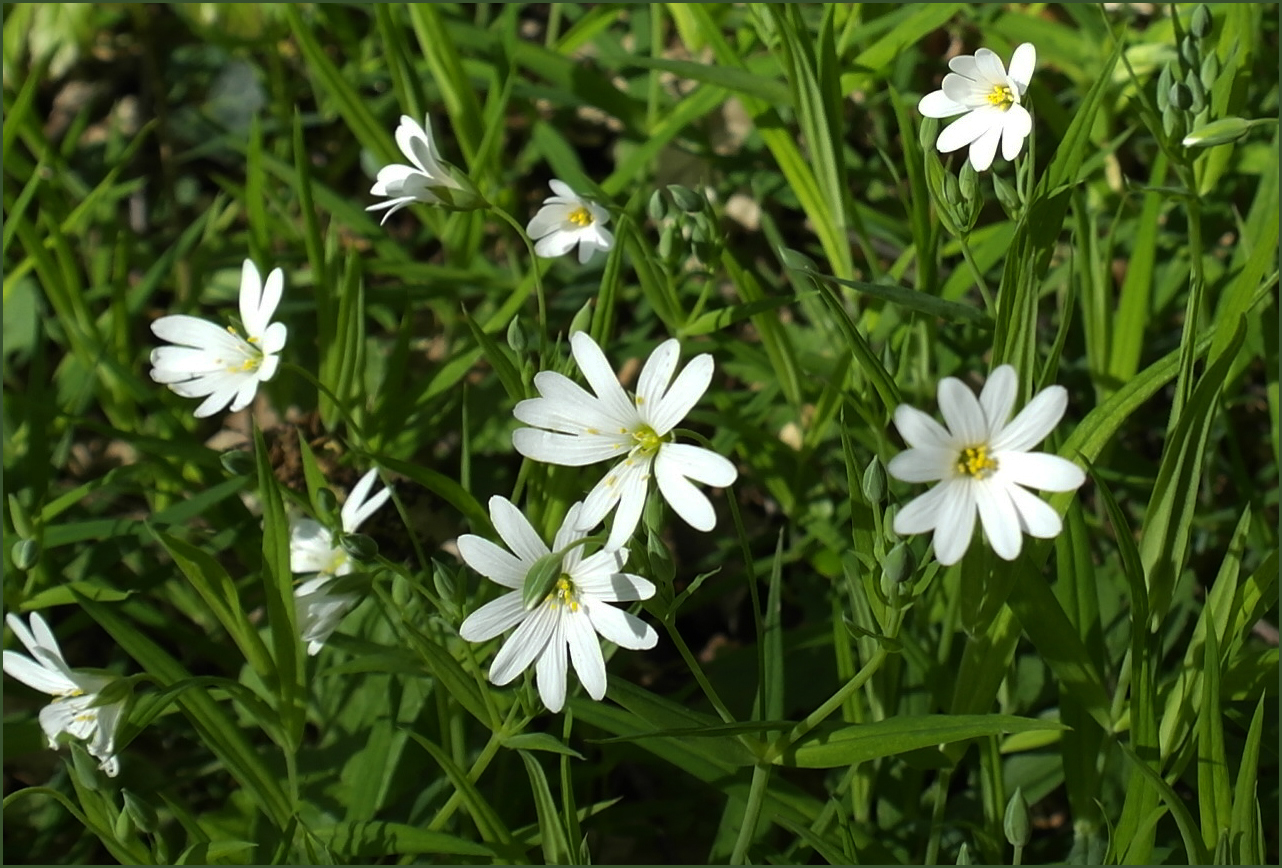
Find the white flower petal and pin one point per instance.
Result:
(921, 514)
(1036, 517)
(686, 391)
(523, 646)
(495, 617)
(360, 506)
(585, 651)
(937, 104)
(609, 585)
(515, 530)
(1019, 123)
(984, 148)
(622, 628)
(600, 376)
(567, 449)
(273, 342)
(192, 331)
(964, 65)
(567, 535)
(550, 669)
(244, 394)
(920, 431)
(35, 676)
(1000, 520)
(686, 501)
(1022, 63)
(601, 499)
(557, 243)
(1034, 422)
(998, 397)
(562, 189)
(956, 522)
(965, 92)
(223, 394)
(633, 482)
(491, 561)
(990, 66)
(1039, 470)
(699, 464)
(962, 413)
(926, 464)
(174, 364)
(965, 130)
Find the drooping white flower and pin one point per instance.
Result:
(217, 363)
(567, 219)
(314, 549)
(575, 609)
(420, 182)
(74, 709)
(982, 462)
(989, 96)
(575, 428)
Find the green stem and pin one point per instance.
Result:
(1019, 854)
(693, 665)
(538, 279)
(823, 712)
(975, 272)
(342, 407)
(937, 816)
(455, 801)
(751, 814)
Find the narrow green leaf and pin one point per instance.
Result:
(1244, 829)
(556, 850)
(377, 838)
(1214, 792)
(487, 820)
(540, 741)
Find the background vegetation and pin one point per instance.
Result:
(149, 149)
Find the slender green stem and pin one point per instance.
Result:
(976, 273)
(538, 278)
(455, 801)
(823, 712)
(937, 816)
(343, 411)
(751, 813)
(1019, 855)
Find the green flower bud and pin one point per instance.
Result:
(1219, 132)
(796, 260)
(667, 240)
(541, 580)
(1210, 70)
(1006, 195)
(1164, 81)
(1190, 53)
(237, 462)
(143, 814)
(656, 207)
(358, 545)
(25, 554)
(969, 182)
(1200, 24)
(583, 319)
(952, 190)
(1015, 824)
(899, 565)
(123, 827)
(873, 483)
(686, 199)
(463, 198)
(927, 133)
(1180, 97)
(1197, 94)
(516, 336)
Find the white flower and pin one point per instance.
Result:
(982, 461)
(990, 96)
(567, 219)
(73, 709)
(217, 362)
(419, 182)
(575, 609)
(584, 429)
(313, 549)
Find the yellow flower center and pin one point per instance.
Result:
(564, 594)
(975, 461)
(580, 217)
(1001, 97)
(252, 361)
(648, 442)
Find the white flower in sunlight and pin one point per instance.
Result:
(575, 609)
(982, 462)
(567, 219)
(420, 182)
(73, 709)
(989, 96)
(314, 549)
(217, 363)
(584, 429)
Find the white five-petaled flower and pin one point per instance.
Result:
(982, 462)
(74, 709)
(575, 428)
(217, 363)
(420, 182)
(313, 549)
(567, 219)
(990, 97)
(575, 609)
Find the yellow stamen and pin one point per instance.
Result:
(1001, 97)
(647, 441)
(580, 216)
(565, 594)
(975, 461)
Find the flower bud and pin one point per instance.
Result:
(1015, 824)
(927, 133)
(143, 814)
(873, 483)
(358, 545)
(1006, 195)
(465, 197)
(1179, 96)
(1164, 81)
(656, 207)
(516, 336)
(1219, 132)
(1190, 53)
(898, 565)
(1197, 94)
(25, 554)
(969, 182)
(686, 199)
(583, 319)
(237, 462)
(952, 190)
(1200, 24)
(1210, 70)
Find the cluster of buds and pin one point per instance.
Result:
(688, 226)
